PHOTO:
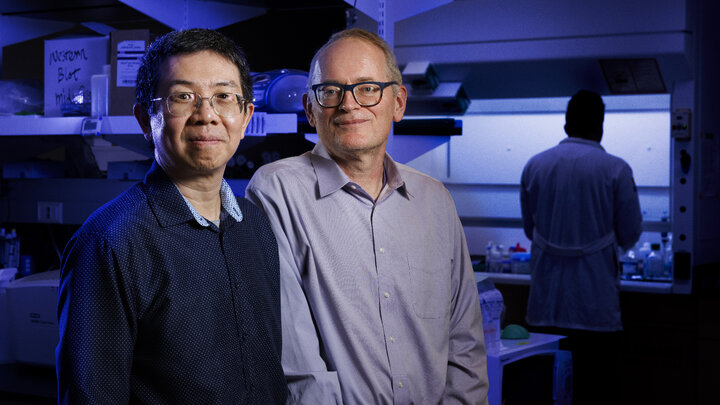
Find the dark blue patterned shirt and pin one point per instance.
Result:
(156, 308)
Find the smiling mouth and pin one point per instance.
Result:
(347, 123)
(205, 141)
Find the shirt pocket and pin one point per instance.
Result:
(430, 281)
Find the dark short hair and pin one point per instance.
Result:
(585, 115)
(186, 42)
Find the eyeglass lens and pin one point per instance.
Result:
(366, 94)
(224, 104)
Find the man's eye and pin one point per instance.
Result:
(330, 91)
(369, 89)
(181, 97)
(224, 97)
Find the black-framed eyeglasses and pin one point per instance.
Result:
(183, 104)
(367, 94)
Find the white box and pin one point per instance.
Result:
(32, 309)
(69, 65)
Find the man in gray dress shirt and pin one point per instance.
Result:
(379, 302)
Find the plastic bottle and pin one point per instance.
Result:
(488, 252)
(668, 258)
(642, 253)
(505, 263)
(654, 267)
(629, 266)
(12, 249)
(100, 94)
(495, 259)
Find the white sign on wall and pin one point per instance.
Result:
(69, 65)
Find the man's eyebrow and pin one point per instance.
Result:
(230, 83)
(357, 80)
(177, 81)
(223, 83)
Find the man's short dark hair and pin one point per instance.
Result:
(186, 42)
(585, 115)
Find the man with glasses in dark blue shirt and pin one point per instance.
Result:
(170, 293)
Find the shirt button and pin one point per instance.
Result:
(400, 384)
(354, 187)
(392, 339)
(382, 250)
(386, 295)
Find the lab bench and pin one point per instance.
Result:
(657, 287)
(666, 337)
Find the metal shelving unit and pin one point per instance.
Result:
(260, 125)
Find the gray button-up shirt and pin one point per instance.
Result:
(379, 302)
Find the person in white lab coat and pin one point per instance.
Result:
(578, 204)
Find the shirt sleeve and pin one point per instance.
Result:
(627, 214)
(94, 354)
(525, 208)
(467, 380)
(309, 380)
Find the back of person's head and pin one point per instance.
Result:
(187, 42)
(393, 71)
(585, 115)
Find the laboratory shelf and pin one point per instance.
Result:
(261, 124)
(502, 222)
(76, 198)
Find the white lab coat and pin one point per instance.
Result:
(578, 204)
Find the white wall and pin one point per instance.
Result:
(482, 167)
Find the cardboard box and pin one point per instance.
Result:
(69, 64)
(127, 48)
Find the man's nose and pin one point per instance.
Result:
(205, 110)
(348, 101)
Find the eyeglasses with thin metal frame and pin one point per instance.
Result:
(366, 94)
(183, 104)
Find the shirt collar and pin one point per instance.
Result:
(331, 177)
(227, 201)
(572, 139)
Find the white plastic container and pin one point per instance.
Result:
(100, 89)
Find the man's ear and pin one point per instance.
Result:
(143, 118)
(249, 110)
(400, 103)
(307, 103)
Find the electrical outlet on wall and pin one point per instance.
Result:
(50, 212)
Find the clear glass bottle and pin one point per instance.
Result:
(629, 266)
(654, 267)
